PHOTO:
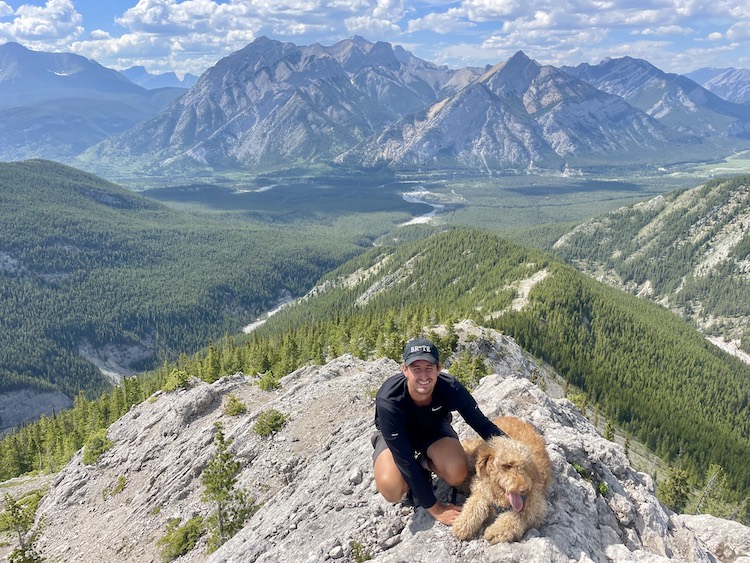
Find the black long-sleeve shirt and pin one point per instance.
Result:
(405, 426)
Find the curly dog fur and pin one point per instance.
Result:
(511, 473)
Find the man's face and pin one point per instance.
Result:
(421, 377)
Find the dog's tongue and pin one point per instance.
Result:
(516, 501)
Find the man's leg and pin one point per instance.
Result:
(448, 460)
(388, 478)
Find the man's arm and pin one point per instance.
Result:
(393, 429)
(472, 414)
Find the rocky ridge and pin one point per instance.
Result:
(314, 479)
(671, 99)
(732, 84)
(710, 220)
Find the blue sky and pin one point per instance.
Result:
(192, 35)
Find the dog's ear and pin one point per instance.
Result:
(484, 456)
(536, 477)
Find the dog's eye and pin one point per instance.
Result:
(506, 466)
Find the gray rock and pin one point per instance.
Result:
(27, 405)
(314, 482)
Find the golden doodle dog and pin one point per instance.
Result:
(512, 475)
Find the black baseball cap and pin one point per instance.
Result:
(420, 349)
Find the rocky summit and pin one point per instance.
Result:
(313, 478)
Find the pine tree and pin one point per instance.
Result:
(212, 364)
(219, 479)
(675, 491)
(18, 518)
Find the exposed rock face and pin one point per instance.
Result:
(25, 405)
(732, 84)
(517, 115)
(314, 480)
(275, 103)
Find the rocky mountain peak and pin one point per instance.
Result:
(357, 53)
(313, 478)
(620, 76)
(512, 76)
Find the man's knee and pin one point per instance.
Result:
(449, 460)
(388, 479)
(453, 470)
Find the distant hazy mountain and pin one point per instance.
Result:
(139, 75)
(674, 100)
(55, 105)
(517, 116)
(732, 84)
(29, 76)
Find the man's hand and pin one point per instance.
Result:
(445, 513)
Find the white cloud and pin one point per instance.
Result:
(51, 24)
(663, 30)
(379, 17)
(443, 23)
(5, 10)
(162, 16)
(368, 24)
(392, 10)
(739, 31)
(486, 10)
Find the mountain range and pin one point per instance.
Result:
(518, 117)
(276, 104)
(373, 105)
(362, 104)
(674, 100)
(732, 84)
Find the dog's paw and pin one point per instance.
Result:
(507, 528)
(494, 534)
(462, 528)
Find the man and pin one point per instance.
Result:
(413, 416)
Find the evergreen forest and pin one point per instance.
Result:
(86, 262)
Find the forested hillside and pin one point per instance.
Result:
(689, 249)
(651, 373)
(85, 262)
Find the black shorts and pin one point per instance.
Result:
(445, 430)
